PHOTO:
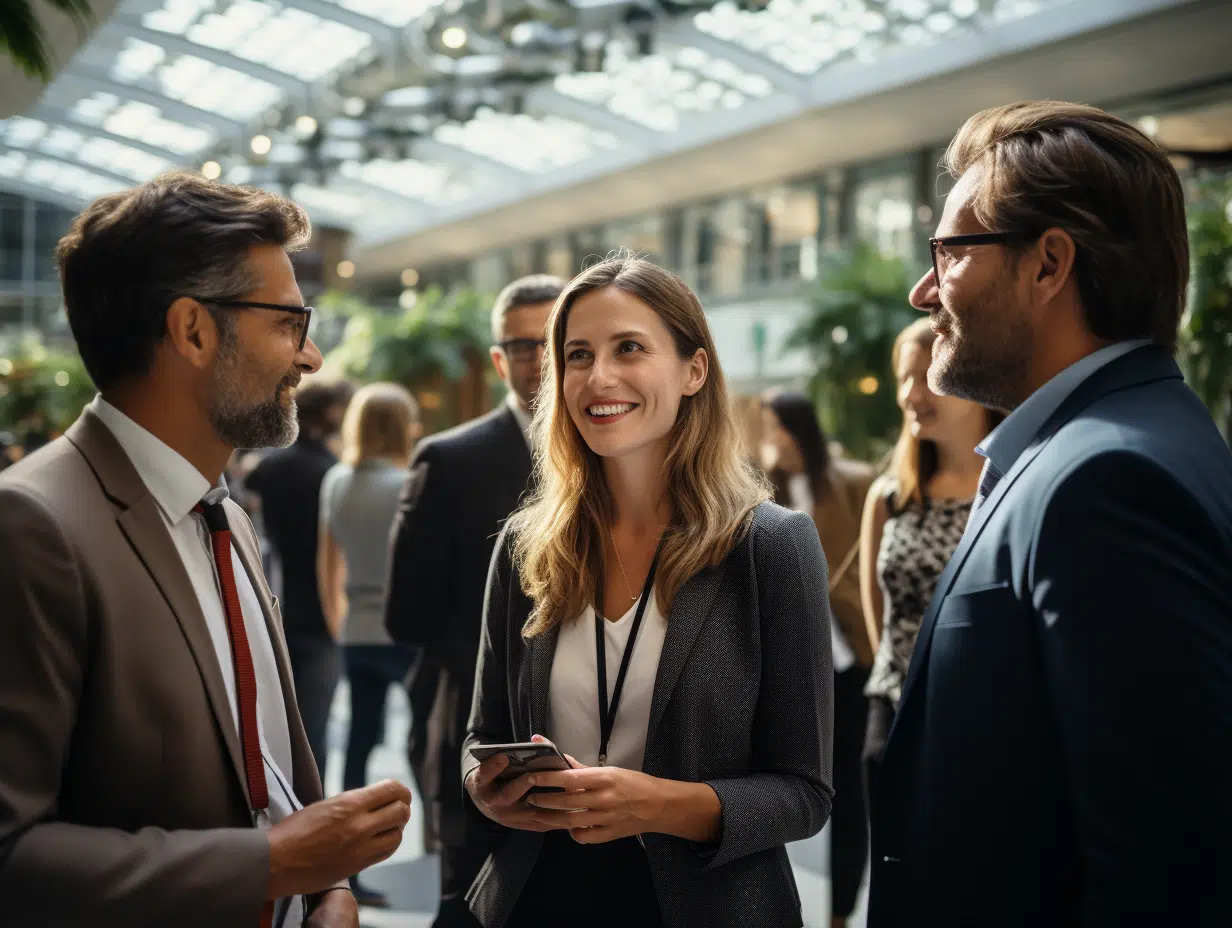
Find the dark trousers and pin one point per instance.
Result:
(317, 666)
(880, 720)
(461, 862)
(597, 885)
(849, 817)
(371, 669)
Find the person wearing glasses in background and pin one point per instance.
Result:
(464, 483)
(155, 768)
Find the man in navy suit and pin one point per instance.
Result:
(1062, 753)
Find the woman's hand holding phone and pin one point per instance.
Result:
(504, 801)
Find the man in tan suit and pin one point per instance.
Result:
(153, 766)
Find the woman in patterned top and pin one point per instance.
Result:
(913, 519)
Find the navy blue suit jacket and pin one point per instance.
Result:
(1062, 753)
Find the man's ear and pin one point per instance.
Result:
(1052, 263)
(500, 362)
(192, 332)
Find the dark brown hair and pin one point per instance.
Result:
(1065, 165)
(129, 255)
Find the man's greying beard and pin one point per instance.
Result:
(986, 360)
(237, 420)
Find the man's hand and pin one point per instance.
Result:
(330, 840)
(337, 909)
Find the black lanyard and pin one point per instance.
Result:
(607, 714)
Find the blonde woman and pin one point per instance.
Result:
(914, 517)
(649, 567)
(359, 498)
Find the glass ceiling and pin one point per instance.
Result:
(364, 106)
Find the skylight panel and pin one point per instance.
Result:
(121, 159)
(805, 36)
(66, 178)
(396, 13)
(655, 90)
(525, 142)
(141, 122)
(20, 132)
(418, 180)
(286, 39)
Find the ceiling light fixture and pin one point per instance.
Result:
(211, 170)
(260, 144)
(453, 37)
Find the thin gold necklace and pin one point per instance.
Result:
(620, 562)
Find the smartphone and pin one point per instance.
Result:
(525, 757)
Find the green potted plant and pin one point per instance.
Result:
(1206, 330)
(857, 307)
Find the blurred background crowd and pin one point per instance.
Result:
(781, 156)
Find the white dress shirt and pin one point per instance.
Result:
(573, 706)
(801, 497)
(523, 417)
(177, 486)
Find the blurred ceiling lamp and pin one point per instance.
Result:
(410, 277)
(354, 106)
(407, 299)
(1149, 125)
(305, 126)
(453, 37)
(839, 335)
(211, 170)
(346, 269)
(260, 144)
(868, 385)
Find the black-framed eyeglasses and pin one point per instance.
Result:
(305, 311)
(523, 349)
(958, 241)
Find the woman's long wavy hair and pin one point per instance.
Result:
(561, 533)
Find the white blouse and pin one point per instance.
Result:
(573, 714)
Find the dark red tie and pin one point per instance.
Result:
(241, 662)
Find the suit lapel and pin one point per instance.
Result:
(975, 527)
(542, 651)
(301, 753)
(1140, 366)
(143, 525)
(688, 614)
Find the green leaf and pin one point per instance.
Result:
(21, 33)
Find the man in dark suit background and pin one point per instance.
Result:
(464, 483)
(1063, 747)
(287, 483)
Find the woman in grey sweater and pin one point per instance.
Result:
(359, 498)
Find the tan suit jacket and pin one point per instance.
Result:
(837, 512)
(123, 800)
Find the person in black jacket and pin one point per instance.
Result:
(1063, 744)
(464, 483)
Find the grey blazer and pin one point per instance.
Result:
(743, 701)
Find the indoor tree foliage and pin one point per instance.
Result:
(21, 33)
(442, 340)
(1206, 331)
(857, 307)
(41, 390)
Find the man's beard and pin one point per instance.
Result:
(242, 423)
(988, 367)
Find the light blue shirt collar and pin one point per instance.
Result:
(1006, 443)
